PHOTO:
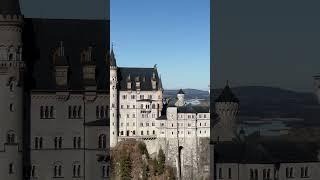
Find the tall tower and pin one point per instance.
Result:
(11, 90)
(316, 86)
(180, 97)
(113, 101)
(227, 108)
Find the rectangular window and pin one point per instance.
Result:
(229, 173)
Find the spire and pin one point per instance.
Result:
(10, 7)
(180, 92)
(227, 95)
(113, 61)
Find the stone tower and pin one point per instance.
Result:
(316, 85)
(11, 88)
(113, 101)
(227, 109)
(180, 96)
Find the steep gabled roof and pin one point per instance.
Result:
(227, 96)
(144, 75)
(10, 7)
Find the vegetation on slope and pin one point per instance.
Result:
(130, 160)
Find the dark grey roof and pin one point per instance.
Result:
(113, 61)
(41, 36)
(227, 96)
(180, 92)
(10, 7)
(265, 152)
(101, 122)
(162, 117)
(193, 109)
(143, 74)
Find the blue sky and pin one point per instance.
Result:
(174, 34)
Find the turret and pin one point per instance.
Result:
(227, 108)
(88, 68)
(316, 86)
(113, 100)
(11, 88)
(61, 67)
(181, 100)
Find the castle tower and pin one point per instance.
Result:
(113, 101)
(61, 67)
(180, 96)
(88, 69)
(316, 86)
(11, 90)
(227, 108)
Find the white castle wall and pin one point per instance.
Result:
(11, 97)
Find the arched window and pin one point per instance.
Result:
(40, 142)
(10, 57)
(102, 141)
(60, 142)
(105, 171)
(33, 171)
(51, 112)
(47, 112)
(11, 168)
(153, 106)
(74, 112)
(70, 112)
(57, 169)
(56, 142)
(76, 170)
(102, 112)
(11, 137)
(98, 112)
(153, 132)
(79, 112)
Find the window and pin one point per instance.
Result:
(11, 137)
(153, 106)
(121, 133)
(141, 96)
(58, 142)
(76, 142)
(153, 124)
(153, 132)
(150, 97)
(220, 173)
(105, 171)
(229, 173)
(141, 124)
(251, 174)
(57, 170)
(76, 170)
(141, 106)
(11, 107)
(41, 112)
(133, 96)
(147, 132)
(102, 141)
(304, 172)
(134, 106)
(33, 171)
(127, 115)
(204, 116)
(128, 106)
(38, 143)
(134, 115)
(141, 132)
(11, 168)
(133, 132)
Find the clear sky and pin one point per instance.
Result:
(174, 34)
(269, 43)
(66, 9)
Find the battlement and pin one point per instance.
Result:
(5, 66)
(7, 18)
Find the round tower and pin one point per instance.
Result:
(113, 101)
(227, 108)
(316, 86)
(11, 90)
(180, 96)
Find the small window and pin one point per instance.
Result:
(11, 168)
(12, 107)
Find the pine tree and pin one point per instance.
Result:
(161, 161)
(125, 167)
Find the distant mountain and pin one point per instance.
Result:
(276, 102)
(266, 102)
(189, 94)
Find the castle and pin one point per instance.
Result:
(54, 97)
(139, 111)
